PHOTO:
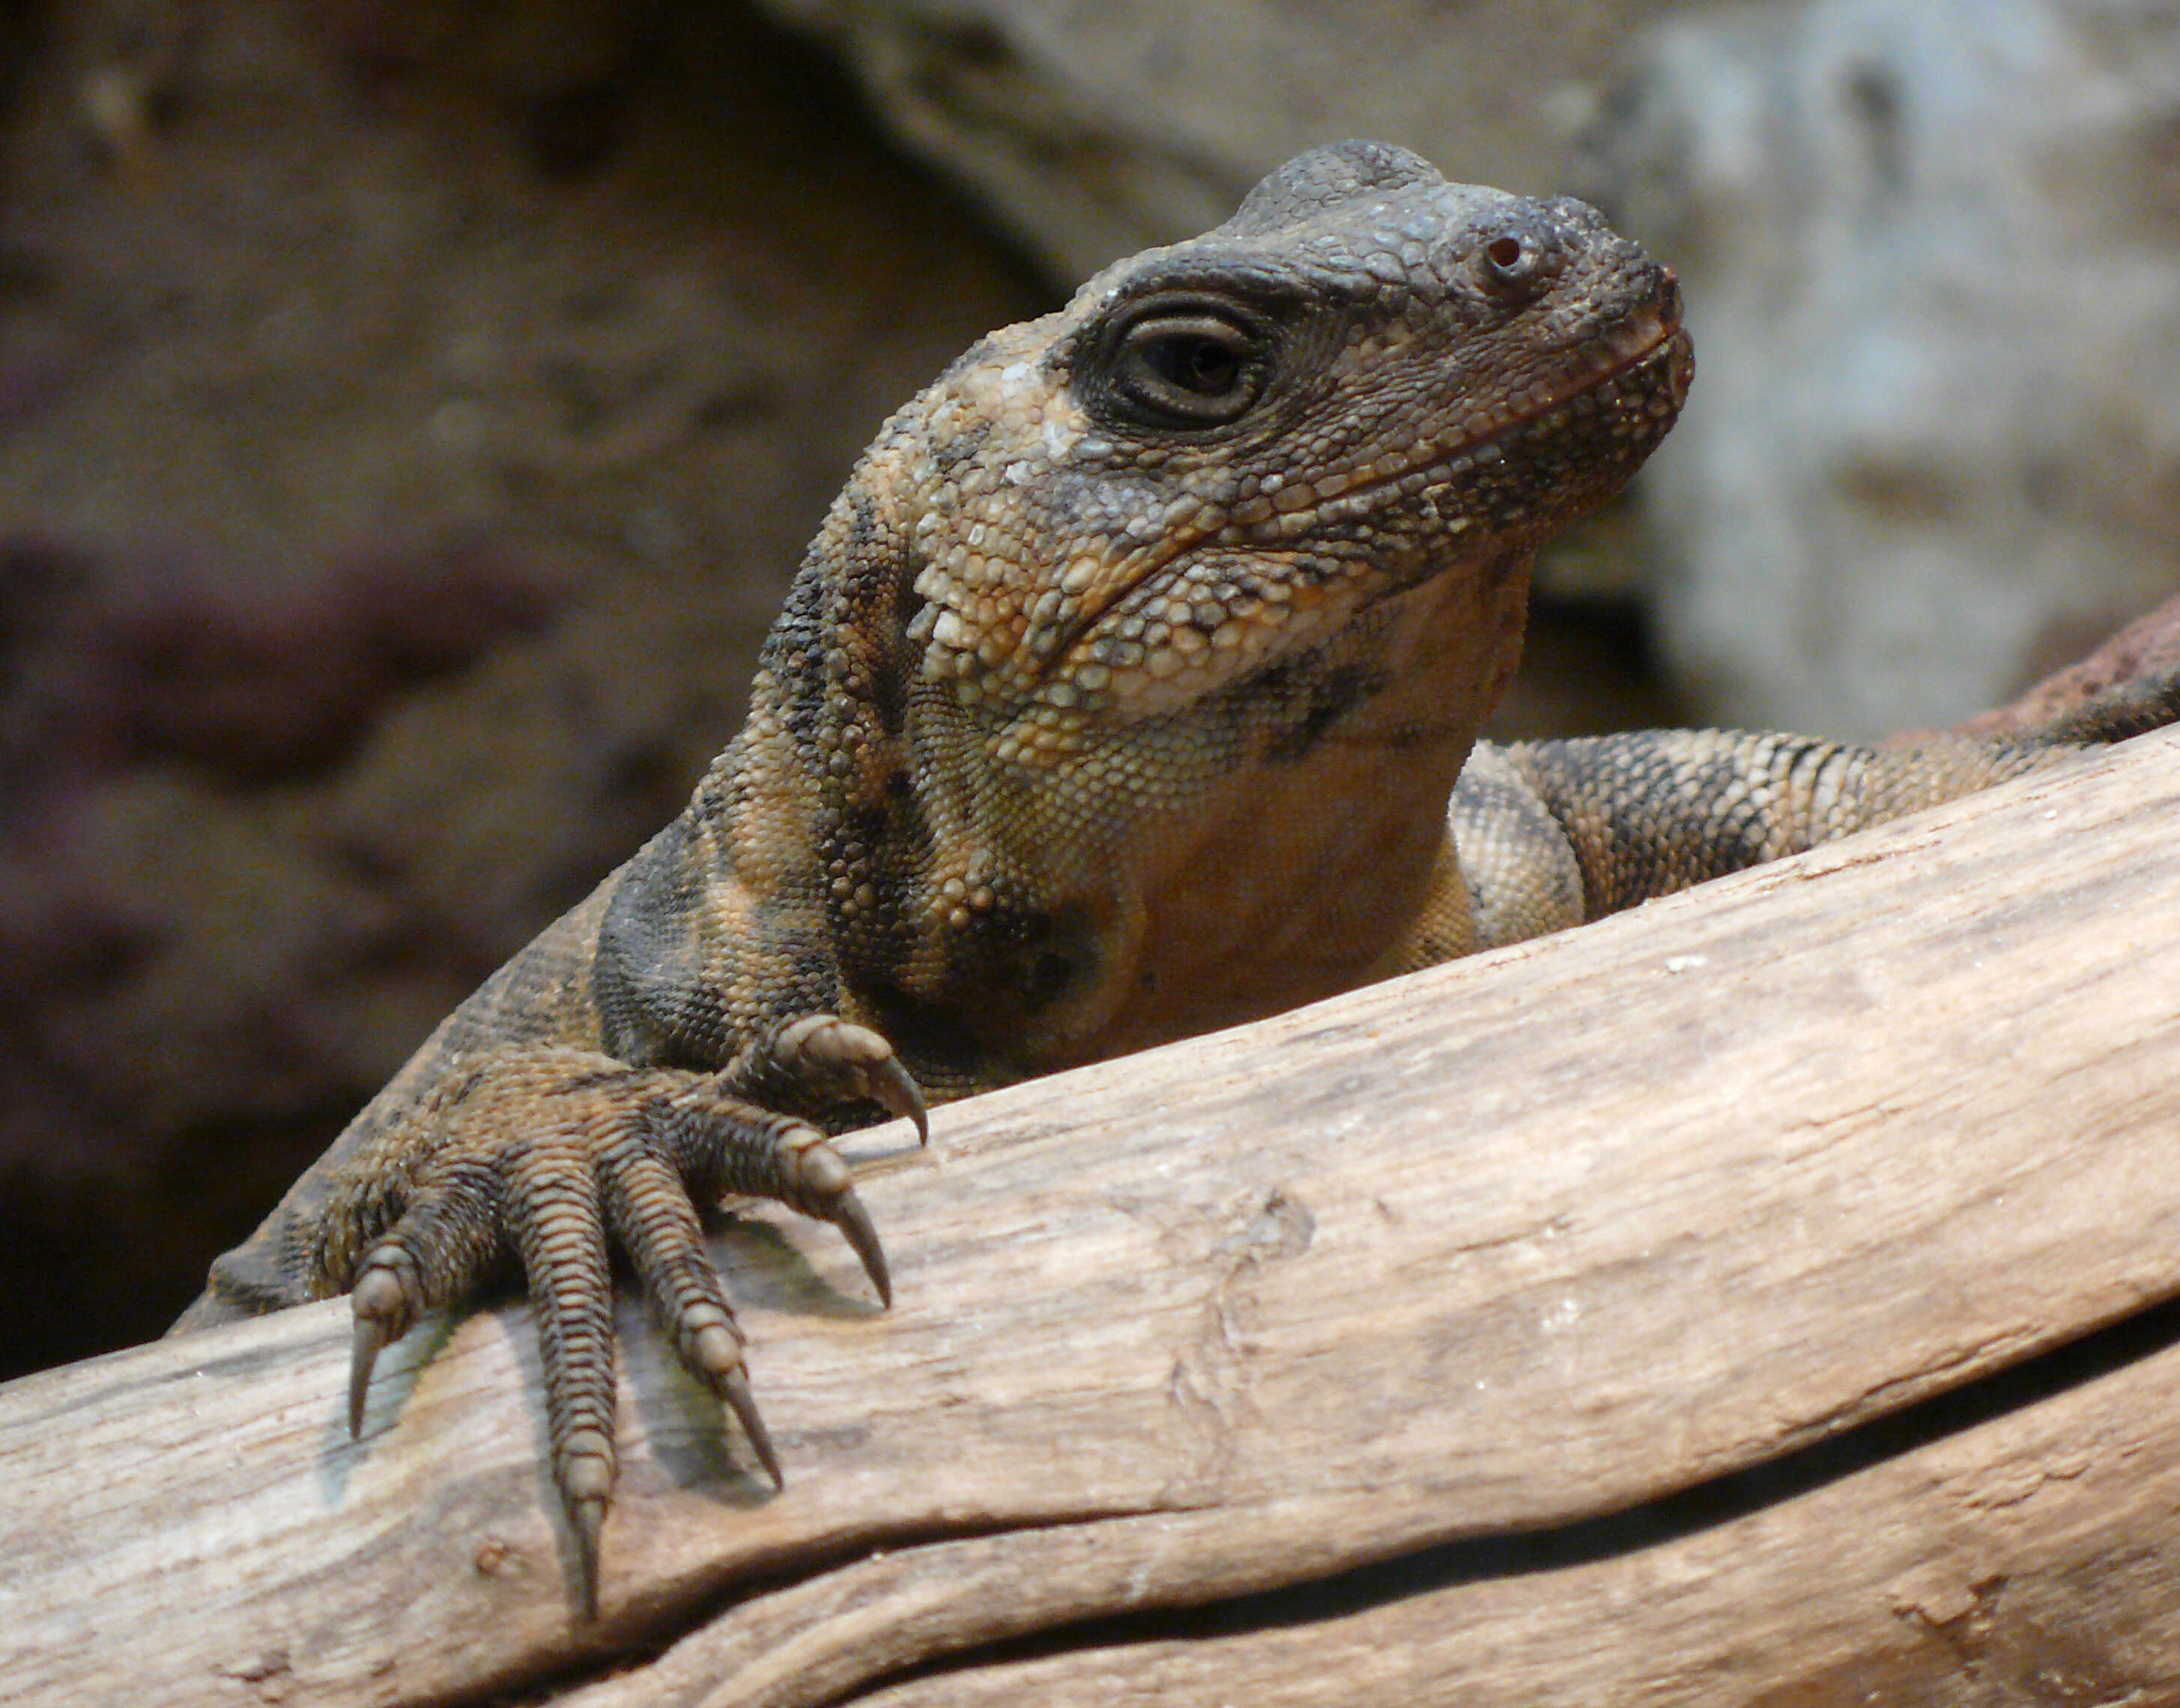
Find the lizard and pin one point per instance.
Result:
(1129, 690)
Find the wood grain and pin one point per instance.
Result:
(1543, 1235)
(2031, 1561)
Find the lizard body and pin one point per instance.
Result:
(1120, 696)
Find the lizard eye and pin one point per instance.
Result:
(1191, 368)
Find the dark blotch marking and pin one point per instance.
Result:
(964, 448)
(867, 824)
(1009, 966)
(889, 682)
(1030, 954)
(812, 970)
(793, 654)
(1317, 700)
(925, 1032)
(894, 838)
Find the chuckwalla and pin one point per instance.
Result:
(1122, 696)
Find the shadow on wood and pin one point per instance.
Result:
(1497, 1249)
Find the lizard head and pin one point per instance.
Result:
(1223, 451)
(1196, 591)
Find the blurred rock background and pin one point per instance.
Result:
(410, 412)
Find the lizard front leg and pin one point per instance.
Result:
(1553, 833)
(661, 1046)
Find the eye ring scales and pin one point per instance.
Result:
(1193, 366)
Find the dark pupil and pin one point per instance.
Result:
(1200, 365)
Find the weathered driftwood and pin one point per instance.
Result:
(1549, 1234)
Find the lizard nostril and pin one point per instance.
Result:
(1506, 255)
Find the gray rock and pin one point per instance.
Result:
(1094, 129)
(1929, 249)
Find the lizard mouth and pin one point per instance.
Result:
(1666, 350)
(1659, 370)
(1616, 411)
(1572, 445)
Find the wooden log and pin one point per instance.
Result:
(1551, 1233)
(2033, 1560)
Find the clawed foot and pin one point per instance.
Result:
(554, 1152)
(844, 1062)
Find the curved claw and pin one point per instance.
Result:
(549, 1161)
(734, 1389)
(587, 1517)
(583, 1467)
(383, 1312)
(860, 1061)
(893, 1088)
(821, 1185)
(370, 1340)
(558, 1226)
(434, 1253)
(854, 1223)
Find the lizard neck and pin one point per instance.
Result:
(1322, 852)
(1185, 874)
